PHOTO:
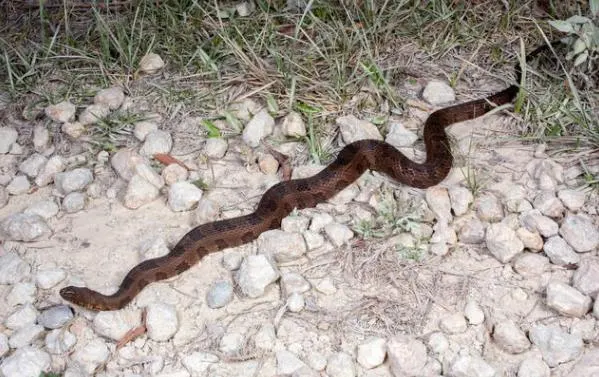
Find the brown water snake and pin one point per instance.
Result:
(278, 201)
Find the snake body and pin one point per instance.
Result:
(353, 160)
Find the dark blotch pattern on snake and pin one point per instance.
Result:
(279, 200)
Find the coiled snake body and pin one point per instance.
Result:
(353, 160)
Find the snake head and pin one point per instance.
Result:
(75, 295)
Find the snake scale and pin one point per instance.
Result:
(278, 201)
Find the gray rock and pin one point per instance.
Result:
(219, 294)
(197, 363)
(295, 224)
(460, 198)
(49, 277)
(471, 366)
(580, 232)
(585, 328)
(156, 142)
(13, 269)
(115, 324)
(265, 337)
(74, 180)
(25, 362)
(149, 174)
(93, 113)
(92, 355)
(24, 316)
(232, 260)
(567, 300)
(183, 196)
(4, 195)
(437, 199)
(556, 345)
(19, 185)
(25, 336)
(143, 128)
(472, 231)
(399, 136)
(287, 362)
(533, 367)
(319, 221)
(549, 204)
(295, 302)
(4, 347)
(174, 173)
(216, 148)
(572, 199)
(453, 324)
(139, 192)
(243, 110)
(316, 360)
(33, 164)
(25, 227)
(283, 246)
(510, 337)
(61, 112)
(293, 282)
(44, 208)
(340, 364)
(531, 240)
(293, 125)
(55, 317)
(73, 129)
(585, 277)
(502, 242)
(530, 265)
(313, 240)
(255, 274)
(125, 161)
(112, 97)
(74, 202)
(533, 220)
(438, 93)
(546, 173)
(326, 286)
(21, 293)
(474, 313)
(207, 210)
(354, 129)
(559, 252)
(162, 321)
(231, 343)
(407, 356)
(60, 341)
(339, 234)
(55, 164)
(41, 138)
(587, 366)
(489, 208)
(260, 126)
(8, 136)
(151, 63)
(372, 353)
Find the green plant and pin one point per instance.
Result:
(583, 36)
(414, 253)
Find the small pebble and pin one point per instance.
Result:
(73, 202)
(295, 302)
(162, 321)
(55, 317)
(219, 294)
